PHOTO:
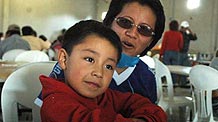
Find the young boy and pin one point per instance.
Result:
(88, 58)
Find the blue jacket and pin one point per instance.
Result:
(141, 81)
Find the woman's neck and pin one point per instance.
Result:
(120, 70)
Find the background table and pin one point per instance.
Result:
(6, 68)
(180, 70)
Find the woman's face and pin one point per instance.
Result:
(133, 43)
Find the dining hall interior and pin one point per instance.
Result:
(50, 18)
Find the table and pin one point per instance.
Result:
(7, 67)
(180, 70)
(204, 62)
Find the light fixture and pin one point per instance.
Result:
(192, 4)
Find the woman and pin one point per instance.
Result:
(139, 24)
(171, 46)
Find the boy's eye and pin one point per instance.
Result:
(89, 59)
(109, 67)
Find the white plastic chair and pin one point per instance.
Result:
(12, 54)
(204, 79)
(52, 54)
(149, 61)
(156, 56)
(22, 87)
(168, 101)
(32, 56)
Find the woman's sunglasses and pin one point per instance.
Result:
(143, 29)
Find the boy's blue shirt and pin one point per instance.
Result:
(57, 72)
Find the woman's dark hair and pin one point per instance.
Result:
(174, 25)
(116, 7)
(76, 34)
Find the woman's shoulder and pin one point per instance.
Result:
(143, 68)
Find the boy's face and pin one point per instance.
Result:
(89, 68)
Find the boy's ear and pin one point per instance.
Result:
(62, 58)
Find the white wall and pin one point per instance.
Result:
(203, 21)
(50, 16)
(47, 17)
(102, 6)
(1, 15)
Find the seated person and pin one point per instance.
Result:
(1, 36)
(214, 64)
(88, 57)
(13, 41)
(29, 34)
(214, 61)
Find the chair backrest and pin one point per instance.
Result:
(156, 56)
(204, 79)
(22, 87)
(149, 61)
(52, 54)
(214, 63)
(12, 54)
(163, 77)
(32, 56)
(215, 53)
(214, 60)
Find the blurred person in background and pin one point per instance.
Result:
(1, 36)
(35, 42)
(172, 44)
(188, 36)
(57, 44)
(13, 40)
(214, 64)
(43, 37)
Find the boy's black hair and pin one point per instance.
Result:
(75, 35)
(116, 7)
